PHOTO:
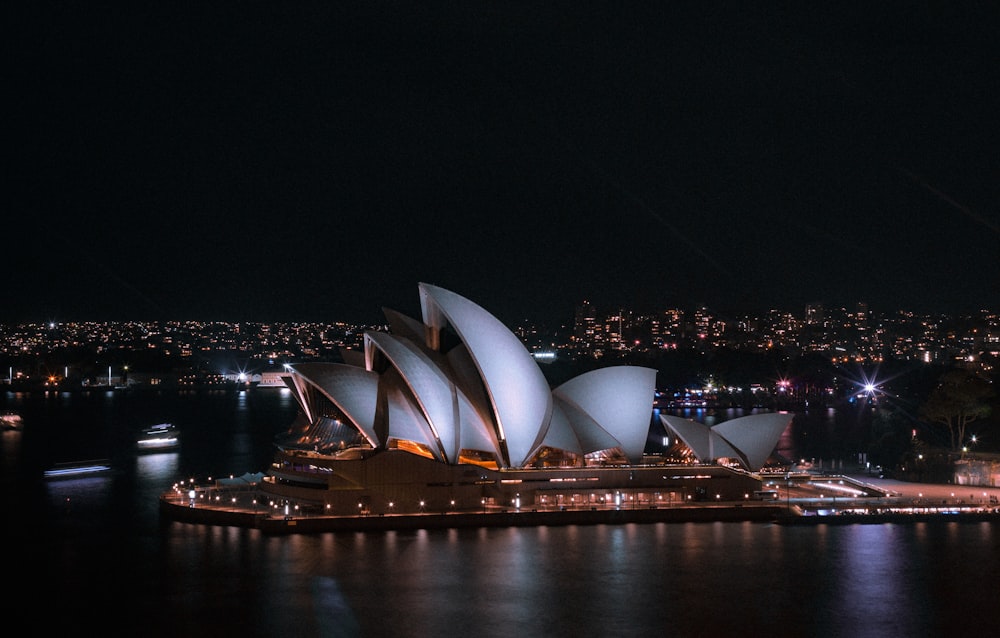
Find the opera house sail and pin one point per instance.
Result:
(451, 411)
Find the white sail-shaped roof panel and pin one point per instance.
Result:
(463, 371)
(619, 399)
(590, 436)
(297, 384)
(755, 435)
(352, 389)
(404, 326)
(751, 439)
(474, 433)
(518, 392)
(695, 435)
(560, 434)
(431, 389)
(407, 422)
(706, 444)
(719, 448)
(453, 420)
(352, 357)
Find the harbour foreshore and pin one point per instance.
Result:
(902, 503)
(181, 510)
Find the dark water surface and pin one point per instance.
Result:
(94, 557)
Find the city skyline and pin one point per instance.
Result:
(222, 163)
(857, 334)
(565, 319)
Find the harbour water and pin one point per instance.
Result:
(96, 553)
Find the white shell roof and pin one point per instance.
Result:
(620, 399)
(695, 435)
(706, 444)
(748, 438)
(561, 434)
(430, 388)
(353, 390)
(406, 421)
(404, 326)
(588, 433)
(451, 417)
(518, 391)
(755, 435)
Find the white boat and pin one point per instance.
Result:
(10, 421)
(78, 469)
(159, 438)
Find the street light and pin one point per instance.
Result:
(973, 440)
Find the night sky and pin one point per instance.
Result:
(315, 161)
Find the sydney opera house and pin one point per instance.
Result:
(452, 413)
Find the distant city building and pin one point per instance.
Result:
(79, 353)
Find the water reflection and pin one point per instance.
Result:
(692, 579)
(160, 467)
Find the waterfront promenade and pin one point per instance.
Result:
(799, 500)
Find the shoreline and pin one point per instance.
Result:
(899, 509)
(900, 502)
(179, 510)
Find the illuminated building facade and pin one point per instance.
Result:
(451, 412)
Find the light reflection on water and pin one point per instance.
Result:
(113, 564)
(686, 579)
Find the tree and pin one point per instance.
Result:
(890, 438)
(959, 399)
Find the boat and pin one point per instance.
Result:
(159, 438)
(10, 421)
(78, 469)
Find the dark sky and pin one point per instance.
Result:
(315, 161)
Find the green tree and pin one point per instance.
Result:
(960, 398)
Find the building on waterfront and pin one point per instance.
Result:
(981, 470)
(451, 412)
